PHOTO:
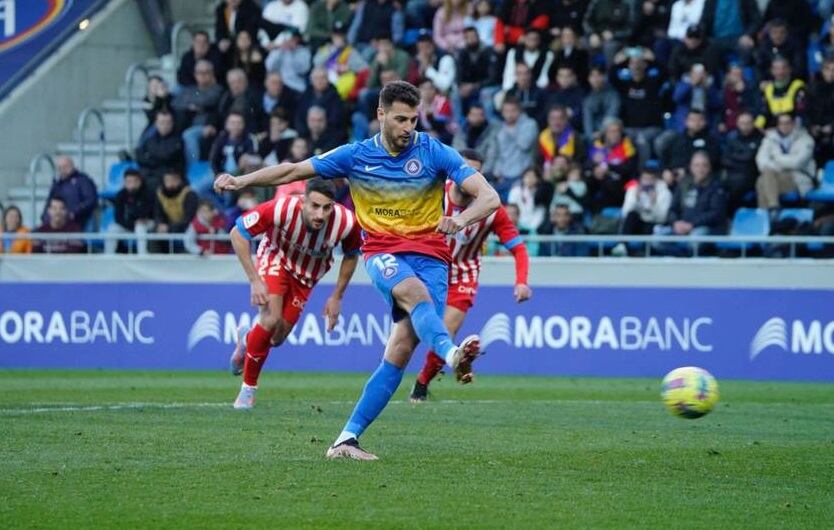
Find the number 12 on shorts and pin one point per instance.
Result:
(387, 265)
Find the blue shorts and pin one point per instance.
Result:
(387, 270)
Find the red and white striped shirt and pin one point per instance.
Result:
(288, 243)
(467, 245)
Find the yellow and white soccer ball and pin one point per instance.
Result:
(689, 392)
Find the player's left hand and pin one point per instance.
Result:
(332, 308)
(522, 293)
(450, 225)
(226, 182)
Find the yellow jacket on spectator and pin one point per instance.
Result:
(16, 246)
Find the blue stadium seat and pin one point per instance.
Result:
(791, 197)
(108, 216)
(115, 178)
(748, 222)
(200, 176)
(802, 215)
(825, 193)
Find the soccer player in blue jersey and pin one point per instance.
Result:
(397, 181)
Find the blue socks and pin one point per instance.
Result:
(378, 391)
(430, 328)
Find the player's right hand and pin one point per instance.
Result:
(259, 296)
(226, 182)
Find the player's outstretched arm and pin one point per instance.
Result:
(242, 250)
(484, 203)
(333, 306)
(266, 177)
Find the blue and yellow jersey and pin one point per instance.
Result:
(398, 199)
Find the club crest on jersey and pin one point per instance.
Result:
(413, 167)
(250, 219)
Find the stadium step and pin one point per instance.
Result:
(115, 126)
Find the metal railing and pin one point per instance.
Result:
(599, 241)
(34, 168)
(83, 120)
(176, 52)
(129, 79)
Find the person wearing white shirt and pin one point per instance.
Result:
(685, 13)
(532, 55)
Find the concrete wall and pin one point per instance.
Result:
(87, 69)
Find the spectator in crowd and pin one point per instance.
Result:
(435, 65)
(157, 98)
(738, 160)
(248, 57)
(246, 200)
(568, 94)
(794, 13)
(364, 119)
(777, 42)
(608, 25)
(566, 14)
(299, 151)
(561, 223)
(600, 103)
(684, 15)
(435, 113)
(786, 162)
(529, 96)
(321, 137)
(133, 212)
(13, 224)
(699, 205)
(275, 147)
(277, 95)
(640, 84)
(320, 94)
(516, 18)
(198, 107)
(738, 96)
(696, 91)
(676, 152)
(821, 112)
(346, 69)
(513, 212)
(175, 205)
(569, 55)
(374, 19)
(447, 28)
(58, 221)
(477, 71)
(646, 205)
(241, 99)
(324, 15)
(76, 191)
(484, 23)
(570, 189)
(291, 59)
(531, 53)
(160, 151)
(533, 196)
(479, 134)
(784, 94)
(614, 162)
(514, 146)
(201, 50)
(231, 147)
(731, 25)
(208, 222)
(230, 18)
(695, 50)
(558, 140)
(650, 30)
(280, 15)
(386, 57)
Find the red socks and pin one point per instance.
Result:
(434, 363)
(257, 349)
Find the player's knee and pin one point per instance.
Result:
(282, 329)
(410, 293)
(269, 322)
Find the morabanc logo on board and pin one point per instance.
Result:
(20, 20)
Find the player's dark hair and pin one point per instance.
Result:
(401, 91)
(319, 185)
(471, 154)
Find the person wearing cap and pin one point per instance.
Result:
(696, 49)
(324, 14)
(780, 40)
(608, 24)
(683, 15)
(346, 69)
(291, 59)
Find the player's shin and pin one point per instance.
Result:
(376, 395)
(257, 349)
(430, 329)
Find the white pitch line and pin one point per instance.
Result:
(118, 406)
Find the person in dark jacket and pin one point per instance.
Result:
(277, 95)
(241, 99)
(133, 211)
(160, 151)
(477, 69)
(640, 83)
(738, 160)
(796, 13)
(676, 153)
(699, 206)
(230, 146)
(322, 138)
(781, 40)
(201, 49)
(233, 16)
(821, 113)
(561, 222)
(77, 191)
(373, 20)
(696, 49)
(197, 109)
(175, 206)
(58, 222)
(731, 25)
(322, 94)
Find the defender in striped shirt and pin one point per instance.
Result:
(466, 247)
(300, 233)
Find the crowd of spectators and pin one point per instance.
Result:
(675, 112)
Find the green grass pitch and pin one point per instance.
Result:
(165, 450)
